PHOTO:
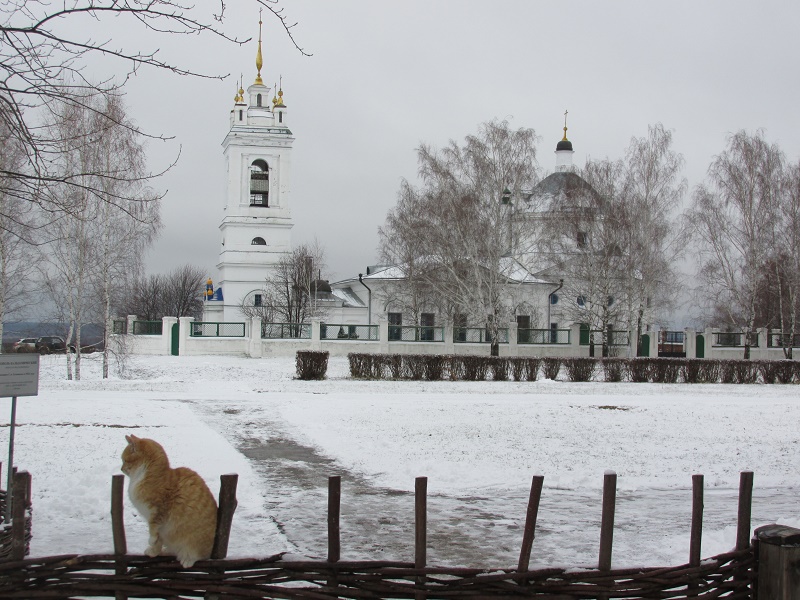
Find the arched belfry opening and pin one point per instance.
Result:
(259, 183)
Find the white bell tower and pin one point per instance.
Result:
(257, 222)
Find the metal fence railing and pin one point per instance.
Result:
(210, 329)
(735, 339)
(783, 340)
(414, 333)
(614, 338)
(477, 335)
(281, 331)
(147, 327)
(336, 331)
(672, 337)
(543, 336)
(119, 327)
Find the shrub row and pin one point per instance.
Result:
(311, 364)
(433, 367)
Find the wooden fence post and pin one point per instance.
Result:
(420, 529)
(20, 498)
(696, 539)
(745, 508)
(607, 523)
(530, 523)
(334, 532)
(118, 528)
(334, 511)
(225, 509)
(778, 562)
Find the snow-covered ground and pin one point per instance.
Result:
(478, 443)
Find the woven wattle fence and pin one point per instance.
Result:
(729, 575)
(120, 575)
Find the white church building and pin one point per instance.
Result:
(255, 231)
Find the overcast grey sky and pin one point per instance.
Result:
(385, 76)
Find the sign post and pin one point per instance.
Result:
(19, 376)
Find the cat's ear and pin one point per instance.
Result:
(131, 439)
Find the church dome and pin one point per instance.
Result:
(564, 144)
(320, 285)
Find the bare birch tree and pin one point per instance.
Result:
(17, 254)
(734, 216)
(400, 241)
(120, 236)
(463, 230)
(652, 240)
(786, 261)
(111, 216)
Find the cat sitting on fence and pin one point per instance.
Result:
(177, 504)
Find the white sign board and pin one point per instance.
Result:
(19, 375)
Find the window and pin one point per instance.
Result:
(553, 298)
(259, 183)
(240, 115)
(553, 333)
(395, 322)
(280, 116)
(258, 241)
(257, 300)
(583, 239)
(258, 99)
(426, 321)
(581, 300)
(610, 300)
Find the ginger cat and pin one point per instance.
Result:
(178, 506)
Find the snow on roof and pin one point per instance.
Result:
(348, 297)
(509, 267)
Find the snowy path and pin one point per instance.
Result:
(474, 529)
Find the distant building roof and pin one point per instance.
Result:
(348, 297)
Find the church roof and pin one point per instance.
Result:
(509, 268)
(348, 297)
(562, 190)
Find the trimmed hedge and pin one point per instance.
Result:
(436, 367)
(580, 369)
(311, 364)
(550, 367)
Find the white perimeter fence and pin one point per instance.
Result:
(187, 337)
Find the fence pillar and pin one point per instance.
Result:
(778, 562)
(708, 339)
(129, 324)
(166, 333)
(763, 348)
(184, 333)
(449, 344)
(655, 336)
(690, 342)
(513, 350)
(315, 334)
(383, 333)
(254, 345)
(575, 341)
